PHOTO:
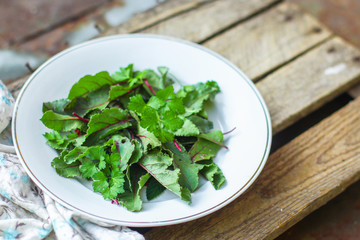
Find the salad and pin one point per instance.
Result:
(131, 131)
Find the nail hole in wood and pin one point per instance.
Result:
(356, 59)
(331, 50)
(317, 30)
(288, 18)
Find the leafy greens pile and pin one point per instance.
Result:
(131, 130)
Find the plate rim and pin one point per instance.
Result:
(146, 223)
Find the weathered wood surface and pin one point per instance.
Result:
(155, 15)
(268, 41)
(208, 19)
(298, 178)
(306, 67)
(308, 82)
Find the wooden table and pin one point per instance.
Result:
(298, 65)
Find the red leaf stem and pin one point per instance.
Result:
(229, 131)
(80, 118)
(177, 145)
(148, 85)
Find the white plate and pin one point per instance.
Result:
(238, 105)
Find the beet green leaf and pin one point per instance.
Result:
(61, 122)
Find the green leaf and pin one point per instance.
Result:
(137, 104)
(100, 183)
(64, 169)
(55, 140)
(156, 163)
(148, 139)
(56, 106)
(75, 154)
(137, 153)
(131, 199)
(75, 139)
(202, 124)
(195, 95)
(124, 74)
(119, 91)
(88, 169)
(125, 148)
(188, 129)
(163, 71)
(207, 146)
(98, 154)
(60, 122)
(116, 185)
(189, 176)
(154, 189)
(107, 122)
(90, 83)
(214, 174)
(172, 121)
(155, 81)
(97, 99)
(114, 160)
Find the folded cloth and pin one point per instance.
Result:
(28, 213)
(6, 106)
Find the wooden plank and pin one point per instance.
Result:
(310, 81)
(298, 178)
(209, 19)
(269, 40)
(155, 15)
(15, 86)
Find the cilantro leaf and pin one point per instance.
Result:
(88, 169)
(100, 183)
(115, 186)
(137, 104)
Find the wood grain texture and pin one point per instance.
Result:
(155, 15)
(310, 81)
(15, 86)
(269, 40)
(208, 19)
(298, 178)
